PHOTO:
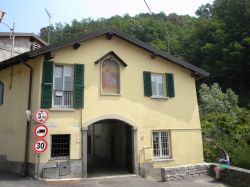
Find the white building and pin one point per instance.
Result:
(23, 42)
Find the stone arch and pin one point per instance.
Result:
(108, 117)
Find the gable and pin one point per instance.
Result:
(109, 33)
(111, 54)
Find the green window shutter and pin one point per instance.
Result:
(78, 85)
(170, 85)
(147, 84)
(47, 84)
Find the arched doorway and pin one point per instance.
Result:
(109, 148)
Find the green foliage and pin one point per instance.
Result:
(220, 45)
(213, 100)
(158, 30)
(204, 11)
(224, 124)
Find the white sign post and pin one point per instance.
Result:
(39, 146)
(40, 131)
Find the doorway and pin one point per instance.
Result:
(109, 148)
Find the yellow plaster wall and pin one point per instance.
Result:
(180, 112)
(12, 112)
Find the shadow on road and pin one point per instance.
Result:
(7, 176)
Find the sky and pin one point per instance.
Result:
(30, 15)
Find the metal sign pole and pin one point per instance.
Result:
(38, 164)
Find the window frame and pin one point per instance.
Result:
(112, 59)
(157, 88)
(1, 93)
(60, 157)
(63, 106)
(169, 147)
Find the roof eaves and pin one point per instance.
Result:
(115, 55)
(40, 40)
(24, 34)
(15, 60)
(164, 55)
(124, 36)
(65, 43)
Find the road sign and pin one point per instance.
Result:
(40, 145)
(40, 131)
(41, 116)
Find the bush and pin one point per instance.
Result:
(225, 125)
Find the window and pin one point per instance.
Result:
(1, 92)
(63, 86)
(110, 76)
(157, 82)
(161, 144)
(158, 85)
(60, 146)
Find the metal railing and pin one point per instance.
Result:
(62, 99)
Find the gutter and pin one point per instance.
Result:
(27, 138)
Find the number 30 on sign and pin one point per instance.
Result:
(40, 145)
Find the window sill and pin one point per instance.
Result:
(53, 160)
(63, 109)
(107, 94)
(163, 159)
(159, 97)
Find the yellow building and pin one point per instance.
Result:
(115, 104)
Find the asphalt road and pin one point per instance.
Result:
(11, 180)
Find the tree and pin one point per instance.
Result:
(224, 124)
(205, 11)
(220, 45)
(213, 100)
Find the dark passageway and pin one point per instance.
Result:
(109, 148)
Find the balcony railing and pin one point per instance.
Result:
(62, 99)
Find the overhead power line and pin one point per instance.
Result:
(148, 7)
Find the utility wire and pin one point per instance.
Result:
(168, 35)
(148, 7)
(168, 39)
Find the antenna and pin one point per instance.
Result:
(12, 37)
(49, 16)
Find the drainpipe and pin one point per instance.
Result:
(27, 139)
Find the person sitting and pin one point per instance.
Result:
(224, 163)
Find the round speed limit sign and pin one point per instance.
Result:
(41, 116)
(40, 145)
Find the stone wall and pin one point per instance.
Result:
(148, 171)
(63, 169)
(233, 176)
(184, 172)
(11, 166)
